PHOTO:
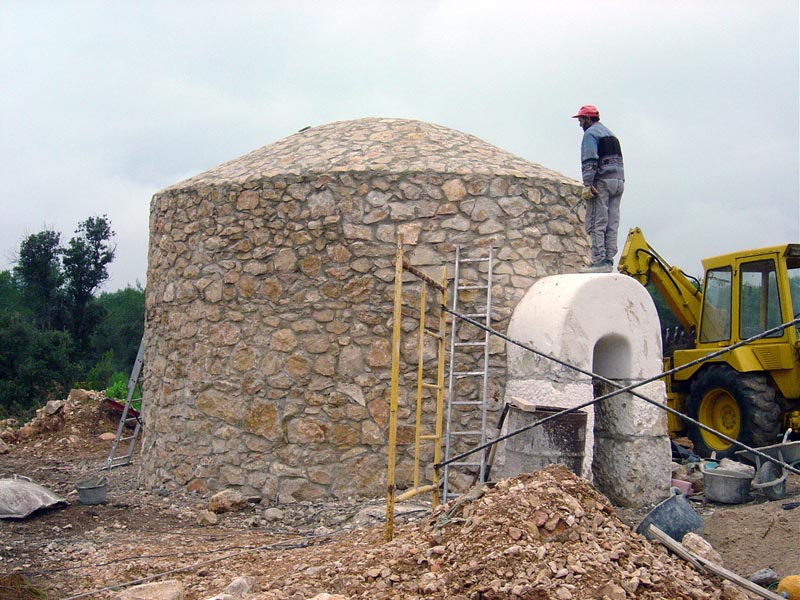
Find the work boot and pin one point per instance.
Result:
(598, 267)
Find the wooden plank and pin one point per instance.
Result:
(714, 568)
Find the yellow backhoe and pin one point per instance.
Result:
(751, 393)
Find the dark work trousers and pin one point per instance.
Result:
(602, 219)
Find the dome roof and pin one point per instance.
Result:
(377, 145)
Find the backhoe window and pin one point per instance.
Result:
(716, 323)
(793, 267)
(759, 304)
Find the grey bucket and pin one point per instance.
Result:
(674, 516)
(559, 441)
(726, 486)
(92, 491)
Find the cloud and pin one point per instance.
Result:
(106, 103)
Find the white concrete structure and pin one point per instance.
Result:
(605, 324)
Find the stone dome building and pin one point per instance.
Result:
(269, 297)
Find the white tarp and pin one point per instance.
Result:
(21, 497)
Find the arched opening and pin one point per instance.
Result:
(611, 356)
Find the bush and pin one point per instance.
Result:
(101, 375)
(118, 388)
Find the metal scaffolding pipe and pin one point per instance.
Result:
(620, 390)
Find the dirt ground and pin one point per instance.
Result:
(548, 535)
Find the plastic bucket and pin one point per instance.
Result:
(726, 486)
(92, 491)
(559, 441)
(674, 516)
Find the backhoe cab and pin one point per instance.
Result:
(752, 393)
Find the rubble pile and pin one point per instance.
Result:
(83, 411)
(549, 535)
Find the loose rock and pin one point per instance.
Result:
(206, 517)
(702, 548)
(160, 590)
(226, 501)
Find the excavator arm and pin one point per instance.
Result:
(640, 261)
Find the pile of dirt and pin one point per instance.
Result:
(76, 420)
(547, 535)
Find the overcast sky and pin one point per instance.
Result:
(102, 104)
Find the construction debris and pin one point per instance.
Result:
(703, 563)
(544, 536)
(549, 535)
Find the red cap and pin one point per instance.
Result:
(587, 110)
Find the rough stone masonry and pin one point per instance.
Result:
(269, 298)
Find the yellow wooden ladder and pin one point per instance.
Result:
(438, 333)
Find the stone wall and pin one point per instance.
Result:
(269, 299)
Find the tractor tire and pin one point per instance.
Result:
(742, 406)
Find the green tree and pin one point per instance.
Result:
(39, 277)
(99, 376)
(85, 262)
(48, 313)
(673, 336)
(665, 315)
(35, 366)
(11, 300)
(116, 339)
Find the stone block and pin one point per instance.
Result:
(262, 419)
(632, 471)
(629, 415)
(226, 501)
(215, 403)
(454, 190)
(159, 590)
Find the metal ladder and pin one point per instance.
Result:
(453, 433)
(113, 460)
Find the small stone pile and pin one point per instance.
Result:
(80, 411)
(549, 535)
